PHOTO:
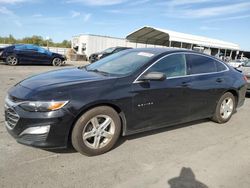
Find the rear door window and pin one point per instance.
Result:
(31, 48)
(20, 47)
(198, 64)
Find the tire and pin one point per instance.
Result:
(91, 59)
(64, 62)
(57, 62)
(100, 137)
(225, 108)
(12, 60)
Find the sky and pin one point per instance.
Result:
(227, 20)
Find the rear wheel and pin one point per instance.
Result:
(12, 60)
(225, 108)
(96, 131)
(57, 62)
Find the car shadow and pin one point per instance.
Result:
(123, 139)
(69, 149)
(186, 179)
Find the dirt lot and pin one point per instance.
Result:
(198, 154)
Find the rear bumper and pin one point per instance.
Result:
(242, 95)
(2, 58)
(248, 87)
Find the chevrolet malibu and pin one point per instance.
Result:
(129, 92)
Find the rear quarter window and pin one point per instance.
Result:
(220, 66)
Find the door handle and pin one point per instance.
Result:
(219, 80)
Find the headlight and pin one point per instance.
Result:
(41, 106)
(99, 56)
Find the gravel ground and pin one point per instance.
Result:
(198, 154)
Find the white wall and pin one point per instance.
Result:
(96, 43)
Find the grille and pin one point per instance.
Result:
(34, 138)
(11, 117)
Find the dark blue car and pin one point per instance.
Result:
(125, 93)
(30, 54)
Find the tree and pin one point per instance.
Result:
(35, 39)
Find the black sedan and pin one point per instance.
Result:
(30, 54)
(128, 92)
(99, 55)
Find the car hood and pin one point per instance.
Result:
(61, 77)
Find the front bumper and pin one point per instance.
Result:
(38, 129)
(2, 58)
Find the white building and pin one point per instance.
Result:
(88, 44)
(155, 37)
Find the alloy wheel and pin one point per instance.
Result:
(57, 62)
(12, 60)
(98, 132)
(226, 108)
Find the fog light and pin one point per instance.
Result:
(36, 130)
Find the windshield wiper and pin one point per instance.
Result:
(98, 71)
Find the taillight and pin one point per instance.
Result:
(245, 78)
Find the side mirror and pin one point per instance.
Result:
(153, 76)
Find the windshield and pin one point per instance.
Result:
(121, 63)
(109, 50)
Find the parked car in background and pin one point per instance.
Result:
(245, 68)
(99, 55)
(235, 63)
(30, 54)
(125, 93)
(1, 52)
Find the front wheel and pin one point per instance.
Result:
(96, 131)
(225, 108)
(12, 60)
(57, 62)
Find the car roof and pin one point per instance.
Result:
(123, 47)
(24, 45)
(158, 51)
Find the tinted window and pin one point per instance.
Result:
(41, 50)
(198, 64)
(220, 66)
(109, 50)
(32, 47)
(119, 49)
(20, 47)
(173, 65)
